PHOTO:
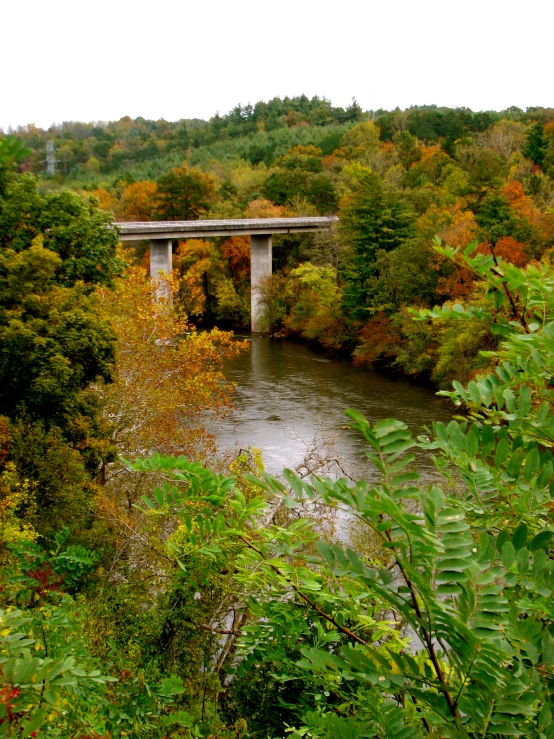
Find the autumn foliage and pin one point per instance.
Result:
(169, 377)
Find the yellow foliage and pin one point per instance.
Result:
(138, 201)
(169, 375)
(14, 495)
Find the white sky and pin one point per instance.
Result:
(100, 60)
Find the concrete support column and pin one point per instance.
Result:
(160, 260)
(260, 266)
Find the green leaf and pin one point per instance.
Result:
(542, 539)
(548, 650)
(532, 462)
(545, 476)
(387, 426)
(519, 539)
(326, 552)
(510, 399)
(502, 452)
(524, 401)
(474, 393)
(508, 554)
(523, 559)
(472, 443)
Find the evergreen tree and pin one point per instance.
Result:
(537, 145)
(373, 220)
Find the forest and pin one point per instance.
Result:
(397, 180)
(153, 587)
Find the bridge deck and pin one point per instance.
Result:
(157, 230)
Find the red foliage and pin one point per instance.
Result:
(7, 695)
(237, 251)
(46, 578)
(456, 286)
(379, 340)
(508, 248)
(459, 284)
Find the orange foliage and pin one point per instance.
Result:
(237, 251)
(453, 224)
(457, 285)
(521, 203)
(107, 200)
(509, 249)
(431, 162)
(429, 152)
(433, 220)
(138, 201)
(262, 208)
(545, 227)
(333, 162)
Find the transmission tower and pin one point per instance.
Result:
(50, 158)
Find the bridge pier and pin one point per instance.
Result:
(260, 267)
(161, 260)
(161, 233)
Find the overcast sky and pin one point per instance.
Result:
(67, 60)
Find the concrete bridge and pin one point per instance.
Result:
(162, 233)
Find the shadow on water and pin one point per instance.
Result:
(288, 395)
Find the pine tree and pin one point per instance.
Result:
(537, 145)
(373, 220)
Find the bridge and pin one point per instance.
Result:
(162, 233)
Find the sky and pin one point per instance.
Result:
(64, 60)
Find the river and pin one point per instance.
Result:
(290, 403)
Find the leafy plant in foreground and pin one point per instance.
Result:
(450, 632)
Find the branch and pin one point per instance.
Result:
(310, 602)
(509, 295)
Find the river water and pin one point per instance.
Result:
(290, 403)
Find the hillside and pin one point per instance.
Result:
(397, 179)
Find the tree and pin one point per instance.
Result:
(322, 193)
(56, 342)
(315, 312)
(536, 145)
(505, 138)
(183, 194)
(68, 224)
(371, 220)
(404, 276)
(165, 384)
(139, 201)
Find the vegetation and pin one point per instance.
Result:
(151, 589)
(395, 178)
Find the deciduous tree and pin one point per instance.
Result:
(183, 194)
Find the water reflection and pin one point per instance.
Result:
(288, 396)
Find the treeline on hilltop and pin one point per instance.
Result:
(86, 149)
(397, 179)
